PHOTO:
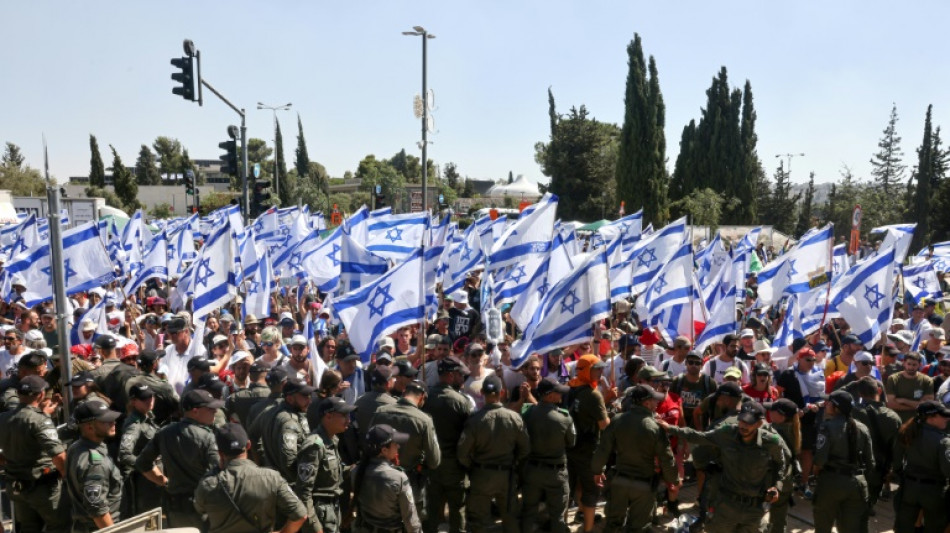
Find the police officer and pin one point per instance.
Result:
(544, 478)
(587, 408)
(421, 454)
(883, 425)
(492, 444)
(449, 410)
(843, 454)
(242, 496)
(34, 459)
(381, 381)
(139, 428)
(30, 364)
(922, 461)
(787, 423)
(287, 428)
(320, 470)
(113, 375)
(256, 415)
(188, 451)
(239, 404)
(381, 492)
(93, 480)
(753, 463)
(167, 401)
(639, 443)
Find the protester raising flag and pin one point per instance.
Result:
(864, 296)
(213, 282)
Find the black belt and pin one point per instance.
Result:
(751, 501)
(631, 478)
(373, 529)
(326, 499)
(924, 481)
(844, 471)
(558, 466)
(504, 468)
(19, 485)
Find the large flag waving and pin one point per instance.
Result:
(864, 296)
(803, 268)
(213, 281)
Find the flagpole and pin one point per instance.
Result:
(831, 260)
(422, 293)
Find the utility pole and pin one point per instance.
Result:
(789, 158)
(419, 31)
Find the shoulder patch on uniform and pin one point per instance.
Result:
(92, 493)
(95, 456)
(306, 472)
(128, 439)
(51, 434)
(821, 441)
(290, 439)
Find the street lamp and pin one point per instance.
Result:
(275, 109)
(419, 31)
(789, 157)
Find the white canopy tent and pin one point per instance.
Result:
(519, 188)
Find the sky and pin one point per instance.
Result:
(824, 75)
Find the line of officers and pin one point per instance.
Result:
(286, 461)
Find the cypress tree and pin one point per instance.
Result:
(302, 160)
(97, 170)
(122, 180)
(749, 160)
(146, 173)
(287, 185)
(806, 208)
(924, 178)
(552, 112)
(658, 182)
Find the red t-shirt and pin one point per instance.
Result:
(670, 410)
(762, 396)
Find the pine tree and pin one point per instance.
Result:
(124, 183)
(783, 202)
(806, 207)
(146, 173)
(451, 175)
(511, 178)
(302, 160)
(12, 157)
(887, 168)
(97, 170)
(748, 178)
(924, 178)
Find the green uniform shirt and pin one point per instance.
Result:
(29, 441)
(166, 399)
(137, 431)
(883, 424)
(282, 435)
(366, 407)
(493, 436)
(260, 493)
(319, 471)
(550, 432)
(449, 411)
(93, 482)
(188, 451)
(747, 469)
(422, 447)
(240, 403)
(385, 498)
(639, 443)
(927, 457)
(831, 446)
(256, 420)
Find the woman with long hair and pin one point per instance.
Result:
(382, 497)
(785, 420)
(922, 461)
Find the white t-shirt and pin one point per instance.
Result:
(174, 365)
(721, 367)
(9, 361)
(674, 368)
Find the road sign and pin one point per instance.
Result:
(257, 170)
(379, 189)
(415, 204)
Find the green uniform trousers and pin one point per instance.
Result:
(733, 517)
(329, 516)
(445, 486)
(180, 511)
(547, 484)
(488, 485)
(43, 505)
(630, 501)
(840, 501)
(913, 497)
(778, 513)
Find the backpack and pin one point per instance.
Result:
(677, 386)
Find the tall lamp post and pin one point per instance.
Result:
(419, 31)
(274, 110)
(789, 157)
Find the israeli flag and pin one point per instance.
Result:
(897, 236)
(396, 236)
(492, 231)
(839, 261)
(466, 257)
(939, 248)
(132, 237)
(530, 235)
(322, 264)
(920, 281)
(214, 283)
(801, 269)
(671, 287)
(552, 269)
(791, 327)
(650, 254)
(259, 288)
(815, 309)
(864, 296)
(569, 309)
(317, 363)
(392, 301)
(357, 224)
(154, 264)
(721, 322)
(629, 228)
(358, 266)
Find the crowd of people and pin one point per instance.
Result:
(245, 423)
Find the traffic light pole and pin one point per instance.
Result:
(246, 207)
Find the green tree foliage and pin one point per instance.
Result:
(782, 203)
(410, 167)
(581, 160)
(468, 190)
(374, 172)
(259, 152)
(719, 151)
(162, 210)
(844, 195)
(924, 178)
(109, 196)
(146, 173)
(302, 158)
(12, 157)
(18, 177)
(511, 178)
(450, 173)
(640, 172)
(97, 170)
(887, 164)
(940, 224)
(169, 152)
(805, 209)
(704, 206)
(288, 183)
(124, 183)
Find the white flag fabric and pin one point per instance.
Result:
(801, 269)
(213, 281)
(864, 296)
(920, 281)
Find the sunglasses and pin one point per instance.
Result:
(809, 359)
(267, 344)
(865, 363)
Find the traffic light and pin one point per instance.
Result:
(261, 196)
(186, 77)
(229, 161)
(380, 200)
(189, 182)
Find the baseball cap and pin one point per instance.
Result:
(105, 342)
(936, 333)
(382, 434)
(287, 322)
(210, 382)
(733, 372)
(746, 333)
(852, 339)
(904, 336)
(648, 372)
(298, 340)
(275, 375)
(491, 385)
(87, 325)
(177, 324)
(345, 352)
(751, 412)
(433, 340)
(295, 386)
(692, 354)
(384, 357)
(842, 400)
(452, 364)
(473, 348)
(783, 406)
(728, 388)
(199, 363)
(551, 385)
(417, 386)
(31, 385)
(239, 356)
(898, 322)
(381, 375)
(863, 357)
(638, 393)
(95, 411)
(194, 399)
(334, 404)
(80, 379)
(149, 356)
(386, 342)
(259, 366)
(218, 339)
(931, 407)
(405, 369)
(759, 368)
(460, 297)
(141, 391)
(231, 439)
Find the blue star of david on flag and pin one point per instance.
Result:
(661, 284)
(873, 296)
(69, 272)
(253, 286)
(394, 234)
(569, 301)
(201, 278)
(543, 288)
(295, 260)
(791, 269)
(920, 283)
(647, 257)
(333, 255)
(517, 274)
(377, 307)
(466, 252)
